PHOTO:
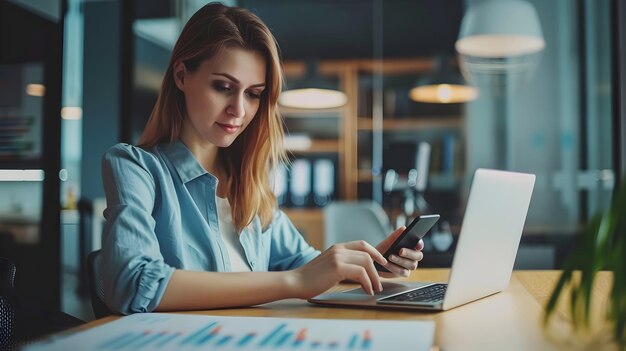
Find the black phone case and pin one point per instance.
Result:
(410, 236)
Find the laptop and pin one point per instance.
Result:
(483, 261)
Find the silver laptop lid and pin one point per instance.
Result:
(490, 235)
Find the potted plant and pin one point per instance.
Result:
(601, 246)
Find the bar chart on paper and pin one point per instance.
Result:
(193, 332)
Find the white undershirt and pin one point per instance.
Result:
(238, 262)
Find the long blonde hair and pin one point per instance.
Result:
(258, 149)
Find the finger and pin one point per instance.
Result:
(359, 274)
(397, 270)
(420, 245)
(403, 262)
(387, 274)
(362, 259)
(362, 245)
(411, 254)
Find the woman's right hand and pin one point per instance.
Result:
(353, 260)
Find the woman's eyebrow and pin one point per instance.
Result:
(228, 76)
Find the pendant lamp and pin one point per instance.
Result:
(499, 37)
(313, 91)
(499, 45)
(443, 86)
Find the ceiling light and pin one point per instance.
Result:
(35, 90)
(312, 98)
(499, 37)
(444, 86)
(500, 28)
(313, 91)
(71, 113)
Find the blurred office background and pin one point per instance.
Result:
(77, 76)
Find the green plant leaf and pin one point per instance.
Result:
(554, 298)
(601, 246)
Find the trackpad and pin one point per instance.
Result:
(389, 288)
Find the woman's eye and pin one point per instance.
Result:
(254, 94)
(221, 87)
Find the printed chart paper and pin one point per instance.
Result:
(156, 331)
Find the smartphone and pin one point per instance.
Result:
(410, 236)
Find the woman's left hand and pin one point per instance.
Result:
(406, 261)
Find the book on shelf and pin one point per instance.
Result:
(323, 181)
(307, 182)
(447, 159)
(278, 179)
(448, 149)
(300, 182)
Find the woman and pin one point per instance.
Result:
(192, 222)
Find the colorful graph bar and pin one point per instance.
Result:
(272, 335)
(129, 340)
(245, 340)
(213, 334)
(353, 341)
(367, 340)
(280, 337)
(283, 339)
(224, 340)
(316, 344)
(167, 340)
(148, 341)
(113, 342)
(198, 334)
(300, 338)
(163, 331)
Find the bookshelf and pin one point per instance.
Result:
(411, 123)
(315, 147)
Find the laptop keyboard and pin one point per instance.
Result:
(429, 294)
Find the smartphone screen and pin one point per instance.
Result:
(410, 236)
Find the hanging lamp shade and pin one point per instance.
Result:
(499, 37)
(443, 86)
(313, 91)
(500, 28)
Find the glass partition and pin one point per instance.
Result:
(547, 113)
(30, 106)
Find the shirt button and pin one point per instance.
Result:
(251, 263)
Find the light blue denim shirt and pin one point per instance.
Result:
(161, 215)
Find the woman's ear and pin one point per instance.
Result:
(179, 74)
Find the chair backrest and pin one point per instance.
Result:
(7, 275)
(96, 287)
(7, 304)
(348, 221)
(24, 321)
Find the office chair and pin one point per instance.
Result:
(96, 290)
(22, 321)
(7, 304)
(348, 221)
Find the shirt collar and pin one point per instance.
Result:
(185, 163)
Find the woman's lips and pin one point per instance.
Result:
(228, 128)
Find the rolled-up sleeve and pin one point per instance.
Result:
(288, 249)
(134, 273)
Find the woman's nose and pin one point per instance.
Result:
(236, 107)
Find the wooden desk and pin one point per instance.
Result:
(511, 320)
